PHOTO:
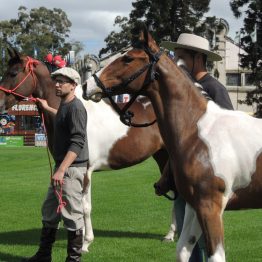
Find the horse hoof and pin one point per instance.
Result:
(86, 245)
(167, 240)
(84, 250)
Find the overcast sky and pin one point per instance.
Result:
(92, 21)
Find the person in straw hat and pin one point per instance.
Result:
(193, 52)
(70, 151)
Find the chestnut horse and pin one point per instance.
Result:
(122, 146)
(215, 153)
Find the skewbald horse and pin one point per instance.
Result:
(215, 153)
(120, 147)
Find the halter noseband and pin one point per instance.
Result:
(30, 63)
(124, 113)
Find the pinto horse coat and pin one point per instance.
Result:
(215, 153)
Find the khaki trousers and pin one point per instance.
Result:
(72, 213)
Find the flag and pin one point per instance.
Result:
(35, 52)
(253, 35)
(71, 57)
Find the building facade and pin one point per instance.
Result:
(230, 74)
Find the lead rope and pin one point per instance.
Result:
(60, 200)
(59, 193)
(30, 63)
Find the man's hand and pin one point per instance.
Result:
(44, 105)
(57, 179)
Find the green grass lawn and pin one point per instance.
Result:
(128, 219)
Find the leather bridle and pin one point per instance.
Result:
(124, 113)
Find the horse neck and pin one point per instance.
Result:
(178, 104)
(46, 90)
(46, 87)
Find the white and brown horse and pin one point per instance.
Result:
(215, 153)
(120, 147)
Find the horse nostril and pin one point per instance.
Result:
(85, 96)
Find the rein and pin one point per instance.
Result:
(169, 197)
(124, 114)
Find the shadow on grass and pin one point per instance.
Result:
(126, 234)
(9, 258)
(31, 236)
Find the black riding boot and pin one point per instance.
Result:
(45, 248)
(74, 246)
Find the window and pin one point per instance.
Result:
(248, 80)
(233, 79)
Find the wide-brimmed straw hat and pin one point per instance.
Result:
(192, 42)
(68, 72)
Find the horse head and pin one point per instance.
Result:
(90, 89)
(20, 80)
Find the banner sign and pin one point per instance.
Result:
(23, 108)
(9, 141)
(40, 140)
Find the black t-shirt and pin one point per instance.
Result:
(216, 91)
(70, 132)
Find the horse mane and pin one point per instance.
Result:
(194, 81)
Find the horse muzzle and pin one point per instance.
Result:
(96, 97)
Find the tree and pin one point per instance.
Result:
(167, 19)
(7, 35)
(36, 32)
(117, 40)
(251, 42)
(78, 47)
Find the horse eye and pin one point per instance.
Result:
(13, 73)
(128, 59)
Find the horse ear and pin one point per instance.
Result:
(10, 52)
(13, 53)
(17, 54)
(139, 35)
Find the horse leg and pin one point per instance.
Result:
(210, 217)
(88, 232)
(190, 234)
(169, 237)
(161, 157)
